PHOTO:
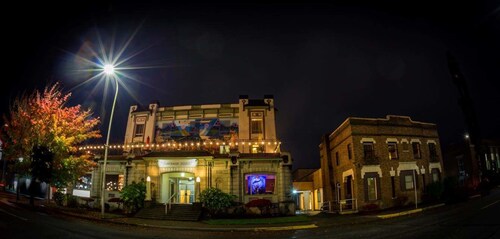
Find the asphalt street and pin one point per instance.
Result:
(477, 218)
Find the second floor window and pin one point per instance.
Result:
(368, 150)
(432, 150)
(393, 150)
(139, 130)
(349, 151)
(416, 150)
(256, 126)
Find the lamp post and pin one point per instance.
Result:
(109, 70)
(415, 188)
(18, 190)
(148, 188)
(4, 161)
(4, 164)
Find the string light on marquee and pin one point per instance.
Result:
(191, 144)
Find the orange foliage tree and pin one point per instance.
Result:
(42, 119)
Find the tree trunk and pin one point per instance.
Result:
(48, 192)
(32, 192)
(18, 188)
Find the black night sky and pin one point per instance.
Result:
(323, 63)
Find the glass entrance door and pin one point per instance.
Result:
(178, 187)
(186, 190)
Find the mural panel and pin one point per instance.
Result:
(197, 129)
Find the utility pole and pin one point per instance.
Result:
(3, 168)
(465, 101)
(415, 189)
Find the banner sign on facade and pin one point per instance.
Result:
(177, 163)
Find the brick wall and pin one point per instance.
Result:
(400, 130)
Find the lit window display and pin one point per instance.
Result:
(260, 183)
(114, 182)
(84, 182)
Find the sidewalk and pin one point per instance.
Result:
(316, 219)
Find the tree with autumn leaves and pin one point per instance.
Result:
(45, 132)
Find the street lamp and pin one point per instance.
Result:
(148, 188)
(109, 70)
(4, 161)
(18, 184)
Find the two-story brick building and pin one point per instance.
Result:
(370, 162)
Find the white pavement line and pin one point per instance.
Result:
(22, 218)
(490, 204)
(400, 213)
(300, 227)
(386, 216)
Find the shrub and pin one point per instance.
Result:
(400, 200)
(260, 203)
(71, 201)
(58, 198)
(133, 196)
(264, 205)
(434, 191)
(215, 200)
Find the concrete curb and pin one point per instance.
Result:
(229, 229)
(226, 229)
(387, 216)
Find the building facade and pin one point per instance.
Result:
(461, 161)
(181, 150)
(379, 163)
(308, 189)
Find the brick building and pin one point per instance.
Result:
(308, 188)
(371, 162)
(461, 160)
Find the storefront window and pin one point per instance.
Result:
(84, 182)
(260, 183)
(114, 182)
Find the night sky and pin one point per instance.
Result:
(322, 63)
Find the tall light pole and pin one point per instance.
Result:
(4, 164)
(415, 188)
(109, 70)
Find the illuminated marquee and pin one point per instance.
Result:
(163, 163)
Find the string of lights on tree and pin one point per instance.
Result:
(182, 145)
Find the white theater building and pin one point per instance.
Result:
(181, 150)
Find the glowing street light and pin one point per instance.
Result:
(109, 69)
(109, 64)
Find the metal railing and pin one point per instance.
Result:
(348, 205)
(343, 205)
(168, 203)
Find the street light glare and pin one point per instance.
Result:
(109, 69)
